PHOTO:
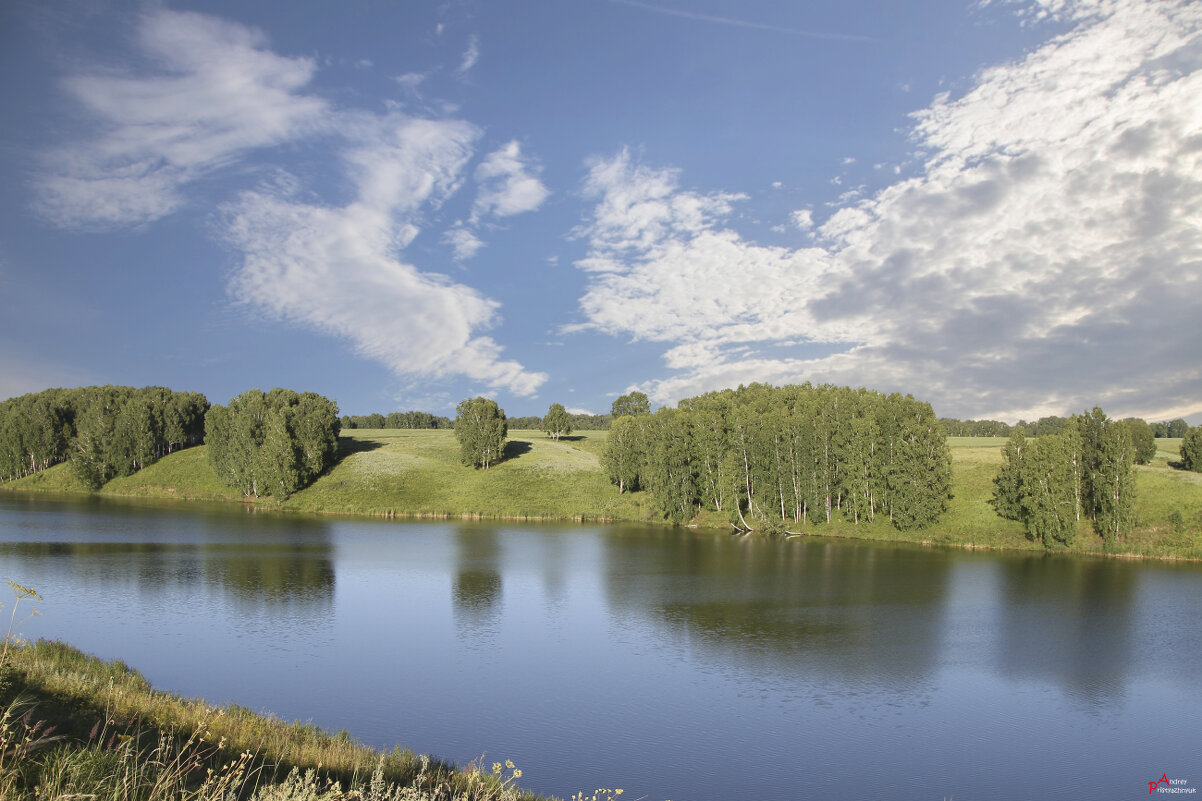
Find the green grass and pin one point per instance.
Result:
(416, 473)
(74, 727)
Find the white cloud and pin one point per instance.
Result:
(1046, 257)
(803, 219)
(338, 268)
(216, 93)
(507, 185)
(410, 81)
(470, 56)
(464, 244)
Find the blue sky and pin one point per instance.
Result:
(995, 206)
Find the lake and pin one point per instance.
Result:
(673, 663)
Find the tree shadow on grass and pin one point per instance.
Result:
(350, 445)
(515, 448)
(572, 438)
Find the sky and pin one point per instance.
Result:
(995, 206)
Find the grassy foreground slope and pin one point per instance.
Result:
(417, 473)
(74, 727)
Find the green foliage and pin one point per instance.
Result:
(1049, 491)
(557, 422)
(623, 457)
(1087, 469)
(104, 431)
(1008, 485)
(394, 420)
(274, 443)
(1175, 429)
(1143, 438)
(635, 403)
(481, 428)
(1191, 450)
(774, 458)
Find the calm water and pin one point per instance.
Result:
(670, 663)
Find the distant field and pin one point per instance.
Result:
(416, 473)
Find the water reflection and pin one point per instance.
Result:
(822, 611)
(288, 562)
(1071, 621)
(477, 586)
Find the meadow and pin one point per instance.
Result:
(416, 473)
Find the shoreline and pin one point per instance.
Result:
(414, 474)
(814, 532)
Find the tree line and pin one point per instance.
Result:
(103, 431)
(776, 458)
(1050, 425)
(395, 420)
(272, 443)
(576, 422)
(1084, 472)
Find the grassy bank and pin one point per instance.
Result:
(416, 473)
(74, 727)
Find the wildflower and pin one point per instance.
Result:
(517, 773)
(496, 768)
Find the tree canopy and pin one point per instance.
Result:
(1085, 470)
(631, 404)
(272, 443)
(557, 422)
(773, 458)
(1191, 450)
(481, 429)
(104, 431)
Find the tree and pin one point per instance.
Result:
(1177, 428)
(622, 458)
(1048, 490)
(1191, 450)
(1143, 438)
(1008, 485)
(274, 443)
(635, 403)
(481, 428)
(558, 422)
(1115, 487)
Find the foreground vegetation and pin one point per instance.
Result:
(418, 473)
(74, 727)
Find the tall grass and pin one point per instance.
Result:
(74, 727)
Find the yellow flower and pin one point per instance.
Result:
(517, 773)
(509, 764)
(496, 768)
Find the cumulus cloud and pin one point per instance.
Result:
(464, 244)
(1047, 256)
(508, 184)
(216, 92)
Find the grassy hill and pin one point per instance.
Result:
(416, 473)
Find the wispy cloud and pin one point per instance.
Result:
(1033, 265)
(338, 268)
(216, 92)
(470, 56)
(738, 23)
